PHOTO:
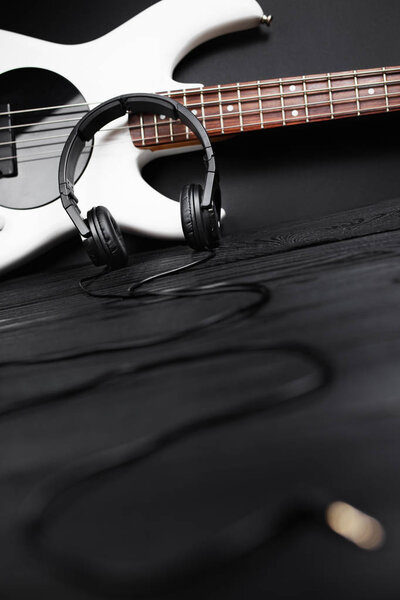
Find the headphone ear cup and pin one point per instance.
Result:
(193, 225)
(188, 216)
(106, 245)
(200, 226)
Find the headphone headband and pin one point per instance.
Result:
(112, 109)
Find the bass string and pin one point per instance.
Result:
(182, 135)
(248, 99)
(210, 117)
(249, 85)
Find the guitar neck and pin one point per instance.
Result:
(234, 108)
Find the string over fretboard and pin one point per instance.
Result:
(233, 108)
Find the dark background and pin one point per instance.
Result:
(273, 176)
(334, 285)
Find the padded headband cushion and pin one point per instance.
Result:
(106, 112)
(110, 237)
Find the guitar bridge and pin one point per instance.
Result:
(8, 149)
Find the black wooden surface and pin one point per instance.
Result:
(335, 285)
(341, 297)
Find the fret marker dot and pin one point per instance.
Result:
(194, 111)
(229, 108)
(292, 88)
(371, 91)
(162, 117)
(295, 113)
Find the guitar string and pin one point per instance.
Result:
(291, 120)
(285, 95)
(321, 104)
(315, 91)
(242, 100)
(265, 84)
(215, 115)
(298, 79)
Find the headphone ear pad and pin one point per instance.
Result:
(187, 215)
(191, 216)
(200, 226)
(106, 245)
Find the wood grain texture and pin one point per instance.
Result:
(335, 286)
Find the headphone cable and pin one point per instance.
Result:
(261, 292)
(47, 502)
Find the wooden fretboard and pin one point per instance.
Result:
(233, 108)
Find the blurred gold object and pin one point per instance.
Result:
(349, 522)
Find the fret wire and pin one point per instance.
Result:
(221, 116)
(239, 106)
(260, 104)
(311, 105)
(282, 102)
(316, 92)
(203, 114)
(142, 129)
(249, 98)
(330, 96)
(357, 93)
(295, 119)
(336, 89)
(386, 88)
(287, 94)
(309, 79)
(171, 130)
(185, 104)
(155, 127)
(265, 110)
(305, 98)
(248, 125)
(320, 116)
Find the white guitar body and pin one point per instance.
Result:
(138, 56)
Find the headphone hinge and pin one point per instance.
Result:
(209, 159)
(70, 204)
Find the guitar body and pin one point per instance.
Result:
(138, 56)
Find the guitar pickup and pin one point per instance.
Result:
(8, 150)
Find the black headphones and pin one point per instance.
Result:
(200, 209)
